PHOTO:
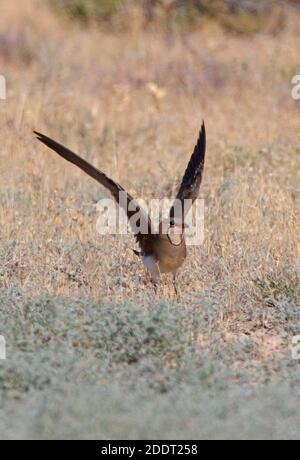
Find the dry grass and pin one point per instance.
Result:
(90, 89)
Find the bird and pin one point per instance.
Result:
(165, 250)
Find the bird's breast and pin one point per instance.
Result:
(169, 257)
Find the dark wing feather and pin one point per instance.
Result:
(192, 178)
(111, 185)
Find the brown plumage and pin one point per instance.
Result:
(190, 185)
(102, 178)
(161, 252)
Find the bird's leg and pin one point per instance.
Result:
(154, 284)
(175, 284)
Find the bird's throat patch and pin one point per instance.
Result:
(175, 238)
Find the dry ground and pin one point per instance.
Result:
(132, 103)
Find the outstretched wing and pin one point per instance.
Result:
(192, 178)
(126, 201)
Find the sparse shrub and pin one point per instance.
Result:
(54, 335)
(246, 17)
(281, 293)
(278, 286)
(87, 10)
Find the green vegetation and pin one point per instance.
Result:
(86, 10)
(83, 369)
(240, 17)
